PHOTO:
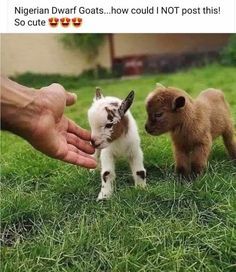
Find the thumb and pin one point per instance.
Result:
(70, 98)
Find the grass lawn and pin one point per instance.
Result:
(51, 221)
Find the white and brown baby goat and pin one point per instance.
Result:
(115, 134)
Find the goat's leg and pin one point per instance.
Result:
(230, 142)
(199, 158)
(107, 175)
(138, 170)
(182, 162)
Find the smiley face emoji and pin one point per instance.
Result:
(53, 21)
(77, 21)
(65, 21)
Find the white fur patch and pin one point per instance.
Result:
(127, 145)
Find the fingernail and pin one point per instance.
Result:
(75, 95)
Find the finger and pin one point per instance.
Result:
(59, 89)
(77, 130)
(76, 150)
(55, 87)
(70, 98)
(80, 160)
(80, 144)
(73, 148)
(56, 93)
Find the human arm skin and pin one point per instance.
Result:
(38, 117)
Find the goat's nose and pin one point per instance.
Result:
(93, 142)
(148, 129)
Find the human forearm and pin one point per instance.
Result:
(38, 117)
(18, 106)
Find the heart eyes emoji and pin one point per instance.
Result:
(77, 21)
(65, 22)
(53, 21)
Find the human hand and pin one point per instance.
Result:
(43, 124)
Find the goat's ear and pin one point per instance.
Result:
(178, 103)
(159, 85)
(126, 104)
(98, 94)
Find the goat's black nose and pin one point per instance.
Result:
(93, 143)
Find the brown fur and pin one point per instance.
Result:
(141, 174)
(104, 176)
(193, 126)
(110, 114)
(119, 128)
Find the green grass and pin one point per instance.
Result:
(51, 221)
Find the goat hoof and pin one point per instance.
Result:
(104, 195)
(141, 185)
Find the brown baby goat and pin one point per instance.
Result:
(193, 125)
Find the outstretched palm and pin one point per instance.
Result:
(57, 136)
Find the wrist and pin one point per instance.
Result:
(19, 107)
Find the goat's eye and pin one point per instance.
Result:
(158, 114)
(109, 125)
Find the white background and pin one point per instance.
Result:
(225, 22)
